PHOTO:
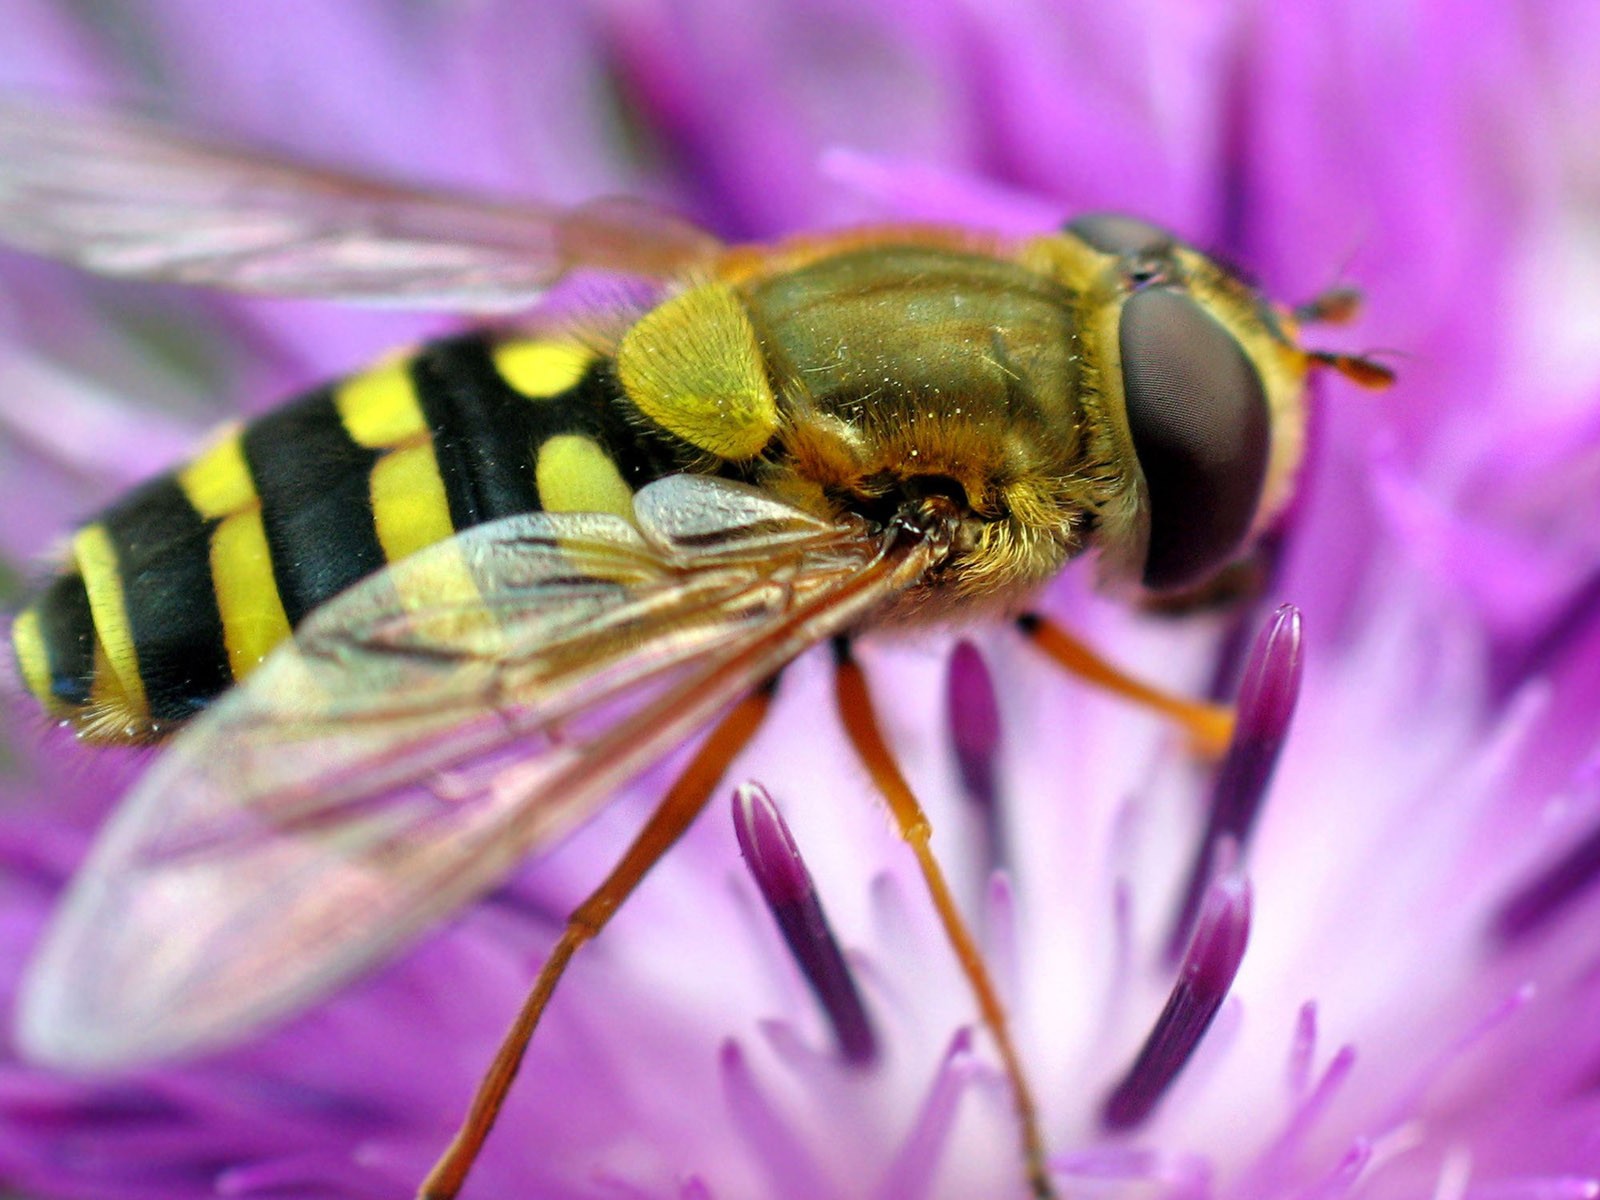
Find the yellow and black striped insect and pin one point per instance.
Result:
(418, 623)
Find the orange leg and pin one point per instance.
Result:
(1210, 726)
(861, 724)
(677, 810)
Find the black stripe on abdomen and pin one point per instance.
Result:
(163, 549)
(314, 484)
(481, 433)
(66, 627)
(641, 456)
(486, 435)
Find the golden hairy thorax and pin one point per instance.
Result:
(854, 380)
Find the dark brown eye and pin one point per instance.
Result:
(1199, 418)
(1112, 233)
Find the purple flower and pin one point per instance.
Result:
(1367, 972)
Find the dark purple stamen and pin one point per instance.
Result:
(1533, 905)
(1266, 703)
(774, 860)
(1206, 974)
(974, 720)
(975, 733)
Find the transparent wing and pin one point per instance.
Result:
(422, 734)
(123, 196)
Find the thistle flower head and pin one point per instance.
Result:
(1350, 959)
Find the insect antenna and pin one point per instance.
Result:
(1339, 305)
(1358, 368)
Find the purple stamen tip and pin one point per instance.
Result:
(974, 720)
(774, 861)
(1272, 678)
(1267, 699)
(768, 847)
(1207, 972)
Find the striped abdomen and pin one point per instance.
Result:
(185, 586)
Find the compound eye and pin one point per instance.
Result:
(1112, 233)
(1200, 425)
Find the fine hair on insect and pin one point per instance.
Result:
(420, 622)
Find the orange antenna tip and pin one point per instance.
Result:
(1356, 368)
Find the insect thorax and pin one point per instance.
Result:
(902, 370)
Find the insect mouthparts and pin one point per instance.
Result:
(920, 489)
(890, 498)
(934, 516)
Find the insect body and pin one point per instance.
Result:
(523, 563)
(182, 588)
(862, 377)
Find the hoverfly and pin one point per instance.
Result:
(419, 623)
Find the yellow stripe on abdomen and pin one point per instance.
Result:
(409, 505)
(542, 370)
(27, 640)
(379, 408)
(218, 482)
(575, 475)
(120, 699)
(253, 619)
(220, 487)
